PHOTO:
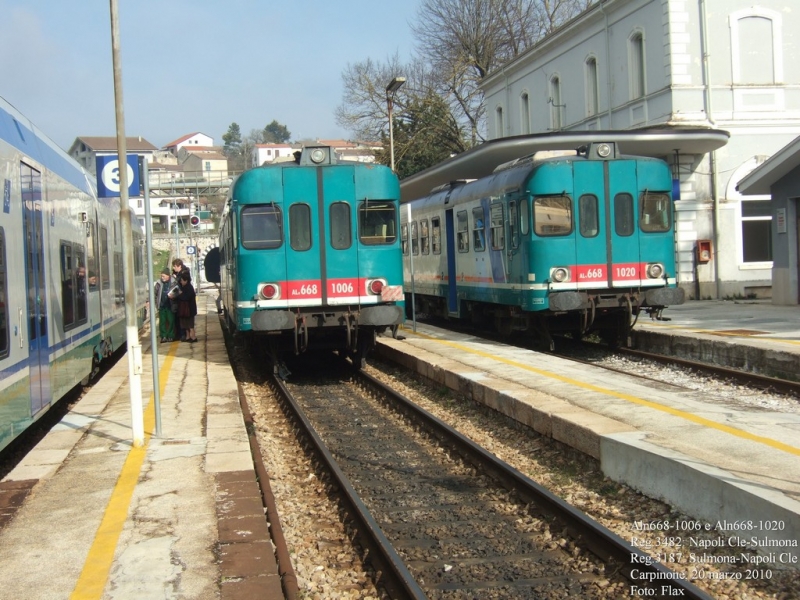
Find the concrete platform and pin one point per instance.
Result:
(180, 517)
(750, 335)
(713, 461)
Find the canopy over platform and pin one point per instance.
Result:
(481, 160)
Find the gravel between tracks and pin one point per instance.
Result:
(328, 566)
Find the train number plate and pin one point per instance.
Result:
(305, 289)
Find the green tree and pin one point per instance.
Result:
(425, 134)
(232, 139)
(233, 148)
(275, 133)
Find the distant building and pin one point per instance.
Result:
(356, 151)
(86, 149)
(197, 159)
(268, 153)
(191, 140)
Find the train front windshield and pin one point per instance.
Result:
(377, 222)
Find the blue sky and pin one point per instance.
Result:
(192, 65)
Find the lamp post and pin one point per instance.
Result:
(391, 89)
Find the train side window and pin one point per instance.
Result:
(4, 320)
(300, 227)
(513, 230)
(436, 235)
(463, 233)
(424, 237)
(377, 222)
(588, 216)
(552, 215)
(341, 227)
(414, 238)
(261, 227)
(67, 286)
(524, 216)
(656, 213)
(404, 238)
(478, 229)
(105, 275)
(623, 214)
(498, 227)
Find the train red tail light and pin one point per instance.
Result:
(376, 285)
(270, 291)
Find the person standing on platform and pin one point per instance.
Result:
(177, 268)
(166, 318)
(187, 306)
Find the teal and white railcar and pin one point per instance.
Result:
(572, 243)
(310, 255)
(61, 297)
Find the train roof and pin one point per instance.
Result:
(482, 160)
(18, 131)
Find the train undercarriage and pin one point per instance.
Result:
(611, 316)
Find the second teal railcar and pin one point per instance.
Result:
(572, 243)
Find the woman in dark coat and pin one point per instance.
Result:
(187, 305)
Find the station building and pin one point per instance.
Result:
(675, 64)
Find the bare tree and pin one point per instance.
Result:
(465, 40)
(459, 42)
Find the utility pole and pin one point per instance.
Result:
(132, 330)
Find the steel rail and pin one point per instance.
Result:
(391, 570)
(598, 539)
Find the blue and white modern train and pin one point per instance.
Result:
(61, 282)
(575, 244)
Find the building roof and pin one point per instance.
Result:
(207, 154)
(760, 179)
(109, 144)
(337, 143)
(184, 138)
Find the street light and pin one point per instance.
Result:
(393, 86)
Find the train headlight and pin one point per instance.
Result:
(376, 285)
(269, 291)
(559, 274)
(655, 270)
(317, 155)
(603, 150)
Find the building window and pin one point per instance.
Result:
(592, 94)
(499, 125)
(555, 104)
(636, 65)
(756, 231)
(525, 113)
(757, 46)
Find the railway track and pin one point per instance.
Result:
(567, 349)
(440, 517)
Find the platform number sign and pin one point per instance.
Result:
(108, 176)
(191, 250)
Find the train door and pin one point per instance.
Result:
(93, 262)
(450, 240)
(339, 254)
(512, 238)
(624, 261)
(322, 258)
(36, 288)
(593, 240)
